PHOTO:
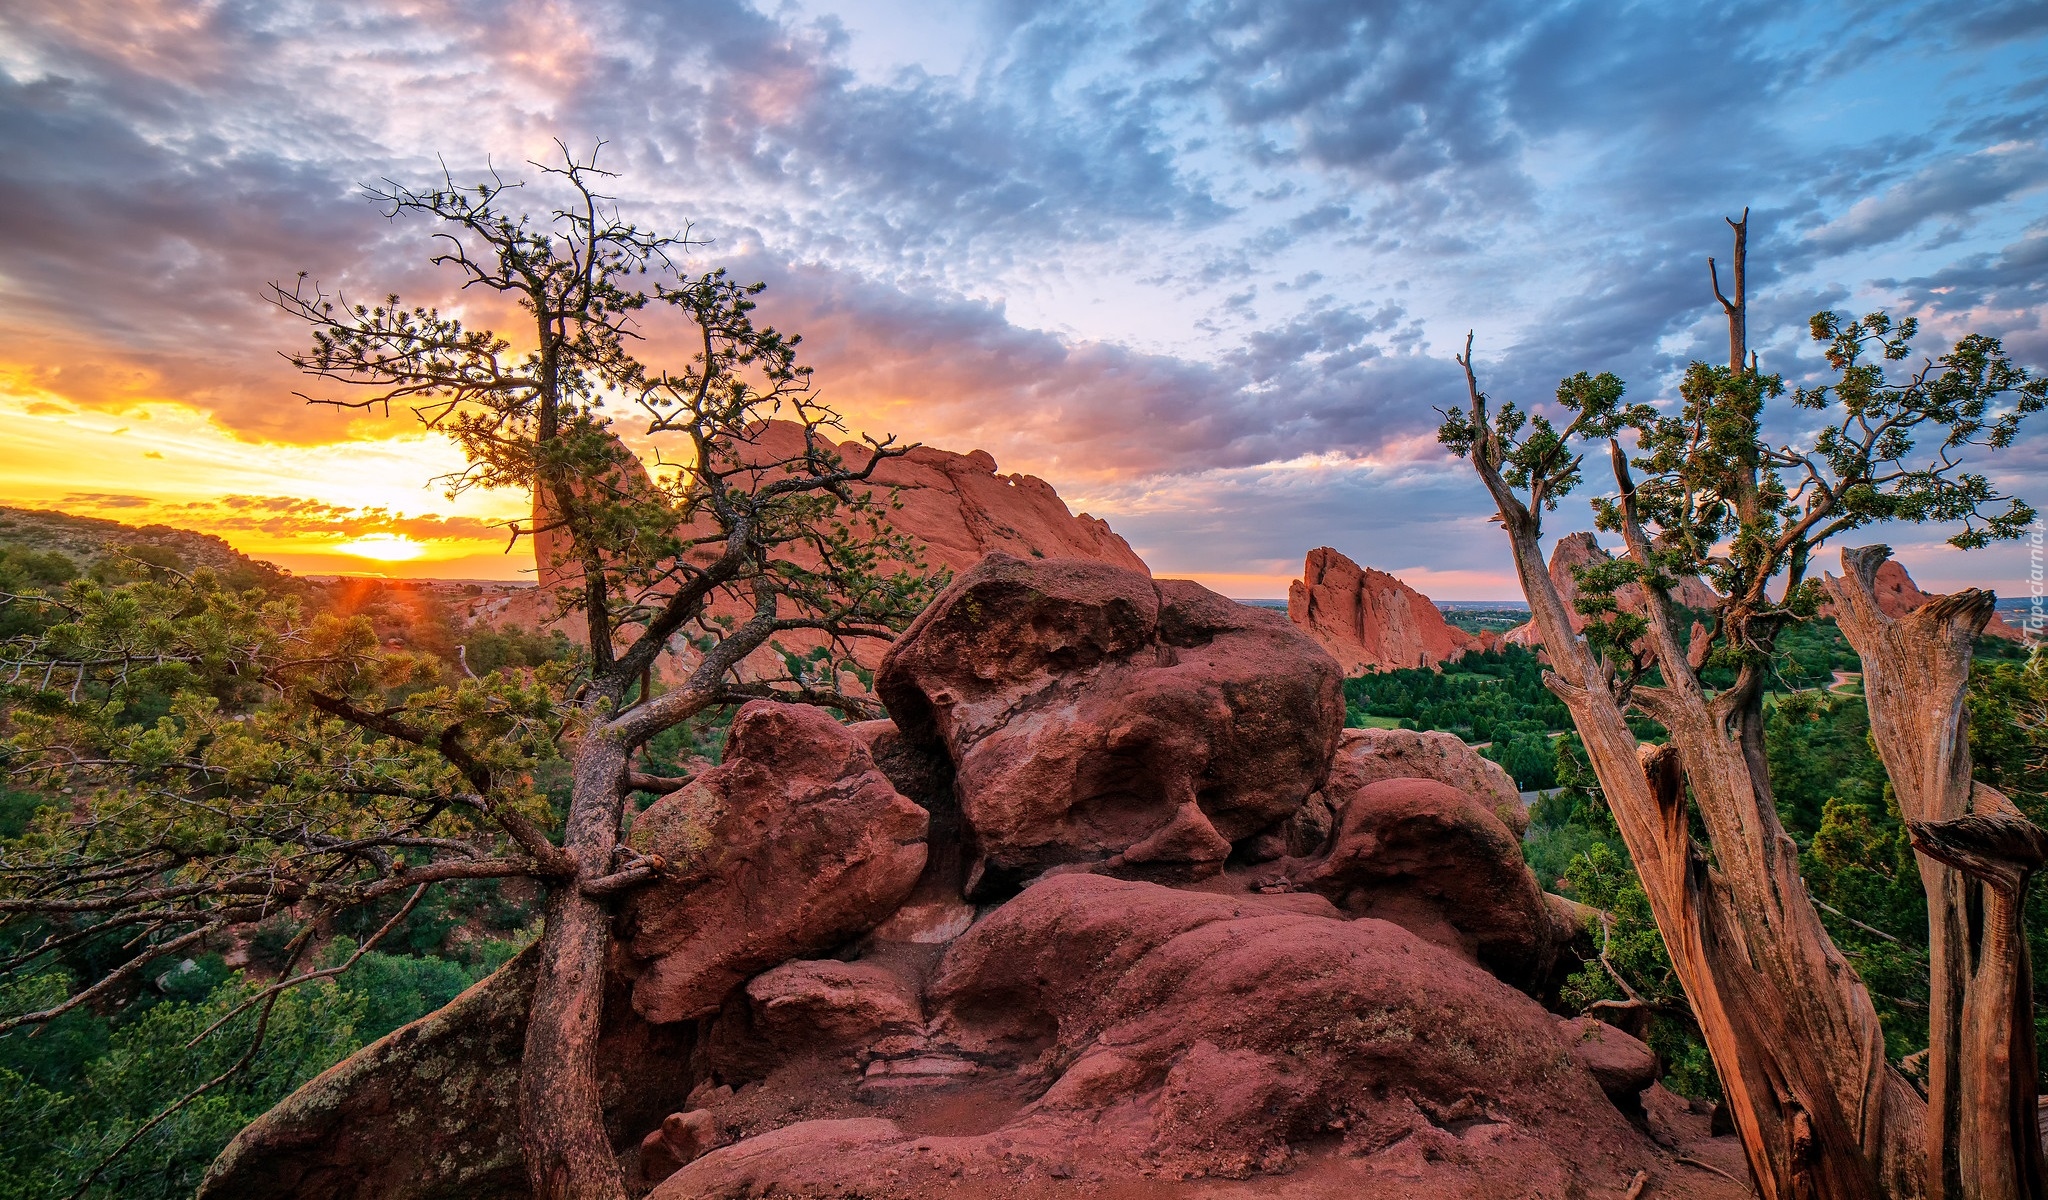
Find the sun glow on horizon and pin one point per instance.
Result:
(329, 508)
(383, 547)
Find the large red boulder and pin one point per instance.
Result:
(1619, 1061)
(1097, 716)
(796, 843)
(1095, 1034)
(1441, 863)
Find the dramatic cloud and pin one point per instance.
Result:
(1200, 264)
(1953, 189)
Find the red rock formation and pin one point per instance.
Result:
(1366, 756)
(1166, 722)
(1576, 550)
(1368, 620)
(800, 822)
(823, 1028)
(961, 510)
(1618, 1061)
(954, 506)
(1441, 864)
(1898, 595)
(1181, 1044)
(683, 1138)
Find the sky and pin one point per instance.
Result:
(1202, 266)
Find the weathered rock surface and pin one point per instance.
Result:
(795, 844)
(1439, 863)
(961, 510)
(683, 1138)
(1366, 756)
(1097, 716)
(955, 506)
(1619, 1062)
(811, 1006)
(1191, 1044)
(827, 1003)
(1368, 620)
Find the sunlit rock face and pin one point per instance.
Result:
(955, 508)
(1368, 620)
(800, 822)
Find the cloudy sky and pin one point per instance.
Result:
(1202, 266)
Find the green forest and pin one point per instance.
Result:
(1495, 700)
(81, 1086)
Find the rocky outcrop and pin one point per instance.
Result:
(682, 1139)
(1438, 862)
(960, 509)
(1368, 620)
(1575, 551)
(811, 1006)
(1619, 1062)
(1193, 1044)
(1096, 716)
(1898, 595)
(956, 507)
(799, 821)
(827, 1004)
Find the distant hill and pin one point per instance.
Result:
(88, 541)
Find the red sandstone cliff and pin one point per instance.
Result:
(1898, 595)
(955, 506)
(1369, 620)
(960, 509)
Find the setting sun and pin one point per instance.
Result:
(384, 547)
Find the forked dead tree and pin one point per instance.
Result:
(1791, 1029)
(1975, 853)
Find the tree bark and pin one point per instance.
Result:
(1975, 853)
(561, 1114)
(1790, 1027)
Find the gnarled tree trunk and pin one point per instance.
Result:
(561, 1114)
(1791, 1029)
(1975, 853)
